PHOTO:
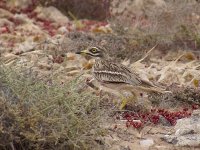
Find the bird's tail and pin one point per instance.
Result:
(148, 86)
(153, 89)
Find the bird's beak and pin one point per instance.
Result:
(82, 52)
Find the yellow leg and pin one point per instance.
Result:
(126, 100)
(123, 103)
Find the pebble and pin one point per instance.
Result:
(73, 72)
(146, 142)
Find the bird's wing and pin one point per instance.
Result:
(112, 72)
(107, 71)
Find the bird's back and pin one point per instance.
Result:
(107, 71)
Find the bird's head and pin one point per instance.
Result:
(96, 52)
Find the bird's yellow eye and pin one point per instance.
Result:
(94, 50)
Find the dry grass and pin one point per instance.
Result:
(174, 25)
(95, 9)
(38, 115)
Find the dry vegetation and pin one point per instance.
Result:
(46, 113)
(39, 115)
(95, 9)
(173, 25)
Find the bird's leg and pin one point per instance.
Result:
(123, 103)
(89, 81)
(116, 97)
(90, 84)
(134, 96)
(100, 91)
(126, 100)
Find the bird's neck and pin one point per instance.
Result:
(103, 57)
(100, 59)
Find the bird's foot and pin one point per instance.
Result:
(123, 103)
(128, 100)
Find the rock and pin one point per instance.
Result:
(189, 140)
(170, 139)
(19, 3)
(62, 30)
(186, 140)
(73, 64)
(188, 125)
(45, 66)
(5, 14)
(7, 57)
(164, 121)
(184, 131)
(51, 13)
(22, 18)
(146, 143)
(25, 46)
(73, 72)
(6, 22)
(183, 126)
(30, 27)
(187, 131)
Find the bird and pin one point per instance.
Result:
(116, 76)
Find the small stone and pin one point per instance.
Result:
(45, 66)
(68, 69)
(146, 143)
(25, 46)
(164, 121)
(62, 30)
(72, 73)
(22, 18)
(170, 139)
(51, 13)
(71, 56)
(30, 27)
(9, 56)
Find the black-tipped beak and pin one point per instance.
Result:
(78, 52)
(82, 52)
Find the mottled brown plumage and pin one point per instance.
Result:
(107, 72)
(117, 77)
(115, 74)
